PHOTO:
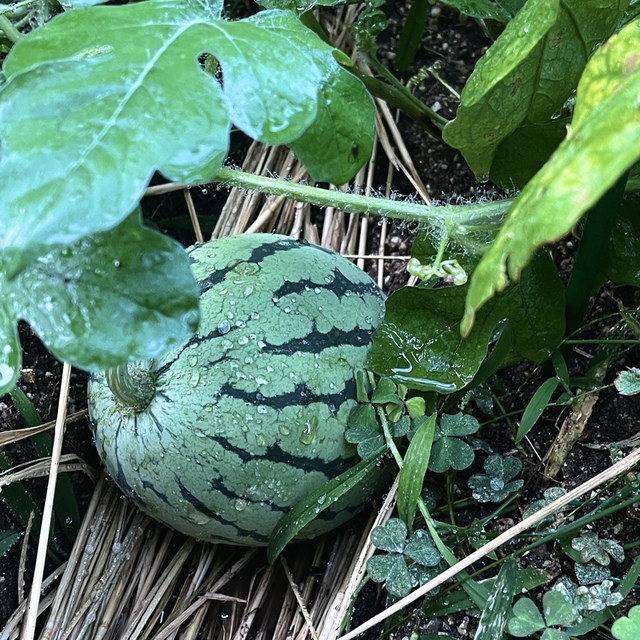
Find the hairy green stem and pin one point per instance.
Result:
(456, 217)
(133, 388)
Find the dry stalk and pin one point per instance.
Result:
(29, 629)
(15, 435)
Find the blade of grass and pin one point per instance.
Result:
(65, 504)
(413, 470)
(536, 406)
(8, 539)
(309, 507)
(494, 617)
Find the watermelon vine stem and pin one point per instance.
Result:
(134, 388)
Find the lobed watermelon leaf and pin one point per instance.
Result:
(419, 343)
(528, 73)
(84, 299)
(601, 145)
(100, 98)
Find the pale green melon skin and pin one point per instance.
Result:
(249, 415)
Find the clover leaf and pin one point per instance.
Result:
(364, 430)
(449, 450)
(594, 598)
(406, 563)
(497, 483)
(556, 612)
(627, 627)
(591, 547)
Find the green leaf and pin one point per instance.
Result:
(450, 453)
(7, 539)
(628, 382)
(536, 406)
(494, 617)
(391, 536)
(481, 9)
(88, 112)
(392, 570)
(591, 572)
(385, 391)
(528, 73)
(627, 627)
(526, 620)
(557, 611)
(554, 634)
(411, 34)
(458, 424)
(495, 485)
(309, 507)
(364, 430)
(419, 343)
(335, 148)
(589, 161)
(622, 255)
(123, 294)
(414, 468)
(521, 155)
(10, 350)
(420, 548)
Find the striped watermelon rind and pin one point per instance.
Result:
(249, 415)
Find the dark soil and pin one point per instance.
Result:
(455, 45)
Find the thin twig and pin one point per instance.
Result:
(29, 629)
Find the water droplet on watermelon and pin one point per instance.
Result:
(243, 340)
(194, 379)
(261, 409)
(284, 430)
(193, 360)
(255, 316)
(224, 327)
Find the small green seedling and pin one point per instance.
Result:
(407, 562)
(627, 627)
(497, 482)
(557, 613)
(450, 451)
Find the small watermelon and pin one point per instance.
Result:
(231, 429)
